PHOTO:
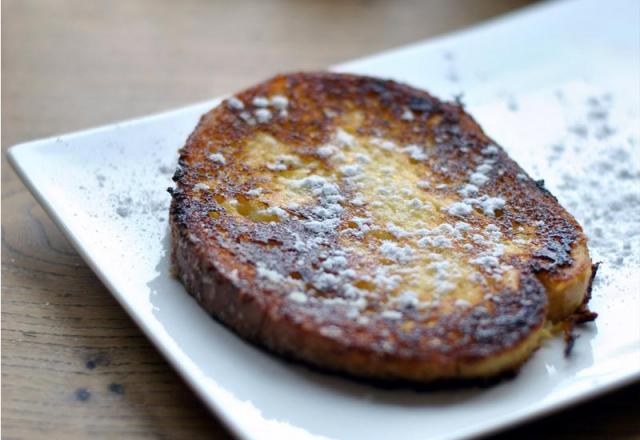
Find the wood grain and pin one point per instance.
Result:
(73, 363)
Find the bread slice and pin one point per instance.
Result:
(365, 227)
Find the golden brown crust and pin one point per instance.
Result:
(219, 248)
(515, 326)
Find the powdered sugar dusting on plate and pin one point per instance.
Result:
(587, 148)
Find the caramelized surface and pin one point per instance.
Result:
(376, 217)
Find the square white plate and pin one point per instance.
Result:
(556, 84)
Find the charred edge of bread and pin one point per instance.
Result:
(583, 314)
(247, 316)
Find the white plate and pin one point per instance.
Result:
(105, 189)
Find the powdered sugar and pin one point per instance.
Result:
(468, 190)
(278, 212)
(260, 101)
(254, 192)
(326, 151)
(392, 251)
(201, 187)
(322, 226)
(459, 209)
(267, 274)
(344, 139)
(263, 115)
(407, 299)
(588, 154)
(492, 204)
(299, 297)
(478, 178)
(235, 103)
(407, 115)
(416, 152)
(384, 144)
(391, 314)
(397, 231)
(284, 162)
(217, 158)
(350, 170)
(331, 331)
(279, 101)
(490, 150)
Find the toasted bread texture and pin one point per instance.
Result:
(366, 227)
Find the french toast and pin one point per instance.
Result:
(365, 227)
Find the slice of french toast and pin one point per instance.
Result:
(365, 227)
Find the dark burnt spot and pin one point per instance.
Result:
(421, 104)
(555, 252)
(383, 89)
(450, 118)
(179, 173)
(485, 329)
(583, 314)
(543, 188)
(570, 340)
(556, 249)
(513, 318)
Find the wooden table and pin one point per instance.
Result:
(73, 364)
